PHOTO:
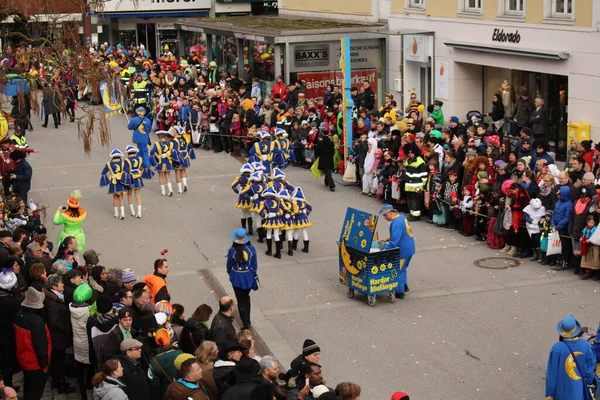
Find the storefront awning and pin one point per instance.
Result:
(547, 54)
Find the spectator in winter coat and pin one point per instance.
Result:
(279, 89)
(195, 330)
(368, 97)
(34, 344)
(107, 385)
(134, 376)
(9, 307)
(187, 387)
(122, 331)
(223, 372)
(246, 373)
(561, 216)
(80, 313)
(541, 153)
(523, 110)
(221, 328)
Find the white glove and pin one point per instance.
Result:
(163, 156)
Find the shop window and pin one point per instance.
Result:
(470, 7)
(514, 7)
(412, 5)
(556, 10)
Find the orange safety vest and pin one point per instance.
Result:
(154, 283)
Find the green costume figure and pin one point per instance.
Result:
(72, 218)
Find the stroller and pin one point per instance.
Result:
(474, 118)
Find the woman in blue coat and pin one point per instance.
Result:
(241, 267)
(563, 211)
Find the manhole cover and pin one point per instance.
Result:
(497, 263)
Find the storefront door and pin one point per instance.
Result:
(146, 34)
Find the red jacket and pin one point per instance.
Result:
(34, 343)
(281, 89)
(588, 156)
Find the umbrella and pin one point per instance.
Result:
(15, 86)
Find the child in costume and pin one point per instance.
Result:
(72, 217)
(138, 173)
(336, 155)
(161, 160)
(181, 157)
(244, 202)
(290, 209)
(270, 209)
(278, 181)
(116, 176)
(301, 221)
(252, 191)
(438, 208)
(466, 206)
(455, 220)
(283, 145)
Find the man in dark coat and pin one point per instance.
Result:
(539, 120)
(246, 375)
(221, 328)
(368, 96)
(223, 371)
(523, 110)
(9, 307)
(5, 240)
(325, 151)
(134, 376)
(21, 176)
(51, 107)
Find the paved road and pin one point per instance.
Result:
(463, 332)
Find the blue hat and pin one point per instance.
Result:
(246, 168)
(454, 119)
(258, 166)
(116, 153)
(284, 194)
(386, 209)
(277, 173)
(264, 135)
(166, 133)
(131, 149)
(140, 111)
(255, 177)
(279, 131)
(180, 129)
(240, 236)
(298, 194)
(268, 192)
(568, 327)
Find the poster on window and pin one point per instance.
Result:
(441, 79)
(317, 82)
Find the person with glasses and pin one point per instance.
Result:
(134, 376)
(541, 153)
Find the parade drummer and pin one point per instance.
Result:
(141, 127)
(402, 238)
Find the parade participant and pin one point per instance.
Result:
(72, 217)
(283, 145)
(253, 190)
(401, 237)
(244, 199)
(571, 364)
(7, 164)
(157, 282)
(301, 222)
(138, 173)
(181, 157)
(242, 264)
(290, 209)
(21, 175)
(264, 151)
(279, 183)
(116, 176)
(141, 127)
(270, 210)
(162, 162)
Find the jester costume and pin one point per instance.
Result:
(72, 218)
(264, 151)
(141, 127)
(161, 156)
(252, 191)
(289, 209)
(282, 156)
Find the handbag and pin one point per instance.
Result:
(587, 393)
(315, 171)
(396, 191)
(507, 220)
(350, 172)
(554, 244)
(544, 244)
(498, 225)
(256, 284)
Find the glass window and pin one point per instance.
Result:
(515, 6)
(416, 3)
(473, 5)
(561, 8)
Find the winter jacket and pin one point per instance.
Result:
(224, 375)
(325, 150)
(242, 390)
(80, 314)
(9, 307)
(523, 110)
(222, 329)
(58, 318)
(162, 372)
(98, 330)
(180, 390)
(113, 343)
(534, 213)
(562, 210)
(577, 222)
(194, 332)
(134, 378)
(110, 389)
(32, 336)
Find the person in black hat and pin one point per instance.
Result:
(99, 327)
(123, 330)
(246, 374)
(311, 354)
(230, 354)
(523, 110)
(148, 326)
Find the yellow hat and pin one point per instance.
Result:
(166, 47)
(180, 359)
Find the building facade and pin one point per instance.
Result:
(473, 49)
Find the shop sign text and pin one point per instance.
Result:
(316, 55)
(501, 37)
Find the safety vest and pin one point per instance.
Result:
(140, 92)
(20, 141)
(415, 174)
(155, 284)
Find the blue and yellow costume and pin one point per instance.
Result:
(271, 212)
(161, 155)
(239, 184)
(288, 219)
(180, 150)
(264, 151)
(283, 145)
(115, 174)
(571, 364)
(301, 222)
(252, 191)
(401, 237)
(136, 168)
(141, 127)
(242, 273)
(279, 183)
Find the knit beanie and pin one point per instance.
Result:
(400, 396)
(103, 304)
(128, 276)
(309, 347)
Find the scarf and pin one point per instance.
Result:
(60, 295)
(546, 190)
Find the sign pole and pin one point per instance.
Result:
(345, 66)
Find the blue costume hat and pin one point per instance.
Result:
(279, 131)
(298, 194)
(264, 135)
(568, 327)
(246, 168)
(141, 111)
(131, 149)
(255, 177)
(240, 236)
(284, 194)
(116, 153)
(180, 129)
(268, 192)
(386, 209)
(165, 133)
(258, 166)
(278, 174)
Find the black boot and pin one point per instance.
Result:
(305, 249)
(406, 288)
(250, 228)
(261, 235)
(243, 223)
(536, 255)
(269, 251)
(290, 249)
(83, 393)
(295, 244)
(278, 246)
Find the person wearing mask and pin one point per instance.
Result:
(107, 383)
(58, 318)
(34, 344)
(10, 304)
(134, 376)
(187, 387)
(221, 328)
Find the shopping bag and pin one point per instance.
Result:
(544, 244)
(499, 225)
(554, 245)
(350, 172)
(595, 238)
(507, 220)
(196, 136)
(308, 155)
(315, 171)
(583, 245)
(396, 190)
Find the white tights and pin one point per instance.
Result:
(304, 233)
